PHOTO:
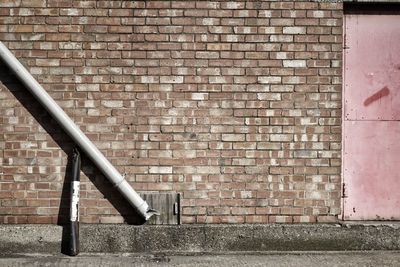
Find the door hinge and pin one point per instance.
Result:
(345, 42)
(176, 208)
(344, 192)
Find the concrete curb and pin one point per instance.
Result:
(119, 238)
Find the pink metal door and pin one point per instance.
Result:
(371, 126)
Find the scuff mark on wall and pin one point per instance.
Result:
(378, 95)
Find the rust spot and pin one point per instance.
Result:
(381, 93)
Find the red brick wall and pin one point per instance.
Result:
(237, 105)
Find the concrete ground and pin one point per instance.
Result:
(354, 258)
(221, 239)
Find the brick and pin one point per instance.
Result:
(294, 63)
(269, 79)
(71, 12)
(233, 137)
(58, 37)
(120, 13)
(16, 3)
(235, 104)
(112, 103)
(33, 3)
(208, 21)
(120, 29)
(88, 87)
(70, 28)
(199, 96)
(47, 62)
(171, 79)
(70, 45)
(318, 14)
(281, 38)
(207, 55)
(21, 28)
(294, 30)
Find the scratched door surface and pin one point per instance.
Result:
(371, 126)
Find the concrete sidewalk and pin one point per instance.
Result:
(122, 238)
(309, 259)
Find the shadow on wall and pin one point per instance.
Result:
(13, 85)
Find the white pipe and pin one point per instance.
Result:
(76, 134)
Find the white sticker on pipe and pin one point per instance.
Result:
(75, 202)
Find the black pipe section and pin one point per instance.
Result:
(74, 208)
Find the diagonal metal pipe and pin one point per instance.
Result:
(76, 134)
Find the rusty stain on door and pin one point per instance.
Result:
(371, 126)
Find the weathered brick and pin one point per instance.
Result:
(233, 137)
(71, 12)
(219, 100)
(88, 87)
(269, 79)
(21, 28)
(294, 30)
(294, 63)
